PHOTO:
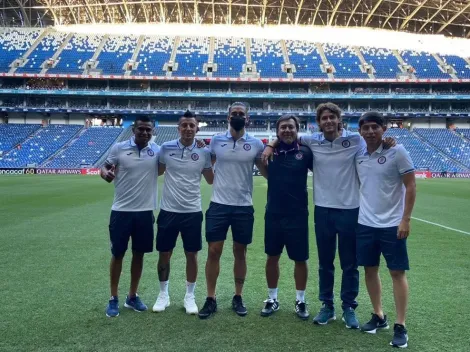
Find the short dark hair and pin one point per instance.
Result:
(286, 118)
(238, 104)
(335, 109)
(188, 115)
(143, 118)
(372, 116)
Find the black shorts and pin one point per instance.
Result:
(372, 241)
(289, 230)
(170, 224)
(137, 225)
(219, 217)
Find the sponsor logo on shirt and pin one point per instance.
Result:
(382, 160)
(246, 146)
(195, 156)
(150, 152)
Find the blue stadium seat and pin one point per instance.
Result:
(461, 67)
(345, 61)
(87, 148)
(191, 56)
(229, 56)
(153, 54)
(267, 55)
(425, 64)
(305, 57)
(383, 60)
(40, 146)
(45, 50)
(14, 43)
(13, 134)
(448, 143)
(78, 50)
(116, 52)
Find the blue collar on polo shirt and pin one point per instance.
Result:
(181, 146)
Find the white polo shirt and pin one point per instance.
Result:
(233, 170)
(382, 192)
(335, 181)
(182, 183)
(135, 185)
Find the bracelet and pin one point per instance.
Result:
(270, 146)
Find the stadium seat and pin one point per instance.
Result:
(14, 43)
(383, 61)
(229, 56)
(345, 61)
(153, 54)
(41, 145)
(305, 57)
(191, 55)
(268, 57)
(13, 134)
(116, 52)
(425, 64)
(87, 148)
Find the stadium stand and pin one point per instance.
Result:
(447, 142)
(306, 58)
(14, 43)
(13, 134)
(191, 55)
(78, 50)
(383, 61)
(345, 61)
(41, 145)
(461, 67)
(424, 156)
(153, 54)
(45, 50)
(229, 56)
(116, 52)
(165, 133)
(425, 64)
(86, 149)
(267, 55)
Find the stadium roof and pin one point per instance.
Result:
(448, 17)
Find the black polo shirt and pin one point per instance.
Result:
(287, 179)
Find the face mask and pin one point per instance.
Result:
(237, 124)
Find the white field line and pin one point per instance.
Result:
(435, 224)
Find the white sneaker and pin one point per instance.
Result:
(163, 301)
(190, 304)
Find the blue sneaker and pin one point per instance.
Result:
(112, 310)
(349, 318)
(326, 314)
(135, 303)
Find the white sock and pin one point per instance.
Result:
(190, 286)
(300, 296)
(164, 286)
(272, 292)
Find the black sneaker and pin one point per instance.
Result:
(301, 310)
(210, 307)
(374, 324)
(271, 306)
(400, 336)
(238, 306)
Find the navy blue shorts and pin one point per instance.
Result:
(289, 230)
(371, 242)
(137, 225)
(170, 224)
(219, 217)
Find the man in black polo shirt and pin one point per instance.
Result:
(286, 219)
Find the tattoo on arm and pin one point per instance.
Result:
(163, 272)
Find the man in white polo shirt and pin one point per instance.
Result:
(133, 166)
(387, 197)
(234, 154)
(180, 208)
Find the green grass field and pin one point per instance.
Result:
(54, 280)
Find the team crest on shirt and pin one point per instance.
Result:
(299, 156)
(246, 146)
(195, 156)
(346, 144)
(150, 152)
(382, 160)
